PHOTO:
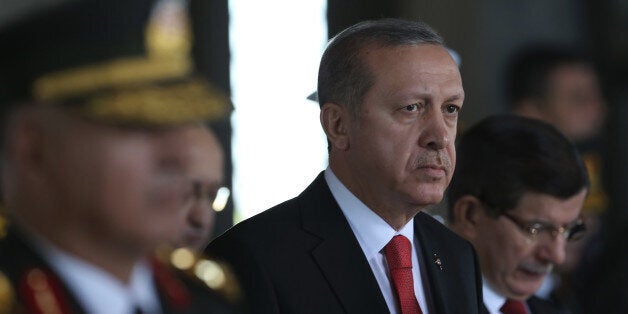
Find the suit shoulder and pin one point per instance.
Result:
(538, 305)
(284, 211)
(264, 224)
(287, 213)
(440, 229)
(272, 224)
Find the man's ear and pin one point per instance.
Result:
(25, 144)
(335, 119)
(468, 212)
(529, 107)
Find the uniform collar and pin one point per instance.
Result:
(96, 290)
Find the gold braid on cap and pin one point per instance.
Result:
(133, 89)
(159, 105)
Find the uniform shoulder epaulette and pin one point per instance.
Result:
(37, 290)
(7, 295)
(4, 224)
(215, 275)
(8, 301)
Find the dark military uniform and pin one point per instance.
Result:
(27, 283)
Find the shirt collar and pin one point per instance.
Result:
(372, 231)
(492, 300)
(98, 291)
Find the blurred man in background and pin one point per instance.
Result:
(206, 171)
(516, 195)
(562, 87)
(559, 87)
(103, 130)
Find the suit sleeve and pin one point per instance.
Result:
(478, 281)
(258, 291)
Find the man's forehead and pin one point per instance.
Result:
(550, 208)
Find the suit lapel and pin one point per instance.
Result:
(484, 309)
(339, 255)
(435, 264)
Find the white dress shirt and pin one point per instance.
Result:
(97, 291)
(373, 233)
(494, 301)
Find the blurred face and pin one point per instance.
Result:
(205, 174)
(401, 145)
(574, 101)
(512, 262)
(121, 186)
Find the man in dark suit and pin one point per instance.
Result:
(355, 241)
(103, 112)
(516, 195)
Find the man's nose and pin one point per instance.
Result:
(552, 249)
(436, 134)
(201, 214)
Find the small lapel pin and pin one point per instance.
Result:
(438, 262)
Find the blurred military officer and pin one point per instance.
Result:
(103, 113)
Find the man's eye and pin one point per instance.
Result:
(535, 228)
(452, 109)
(412, 107)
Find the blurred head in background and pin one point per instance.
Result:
(206, 161)
(560, 87)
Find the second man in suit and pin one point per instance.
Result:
(516, 195)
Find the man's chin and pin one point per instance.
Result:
(524, 289)
(427, 195)
(195, 242)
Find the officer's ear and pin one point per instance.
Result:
(530, 107)
(467, 212)
(24, 142)
(335, 120)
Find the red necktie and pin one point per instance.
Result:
(513, 307)
(399, 257)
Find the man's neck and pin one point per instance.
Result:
(112, 256)
(393, 212)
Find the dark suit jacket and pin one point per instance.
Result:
(302, 257)
(538, 306)
(18, 259)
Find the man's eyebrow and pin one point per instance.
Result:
(549, 223)
(455, 97)
(170, 163)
